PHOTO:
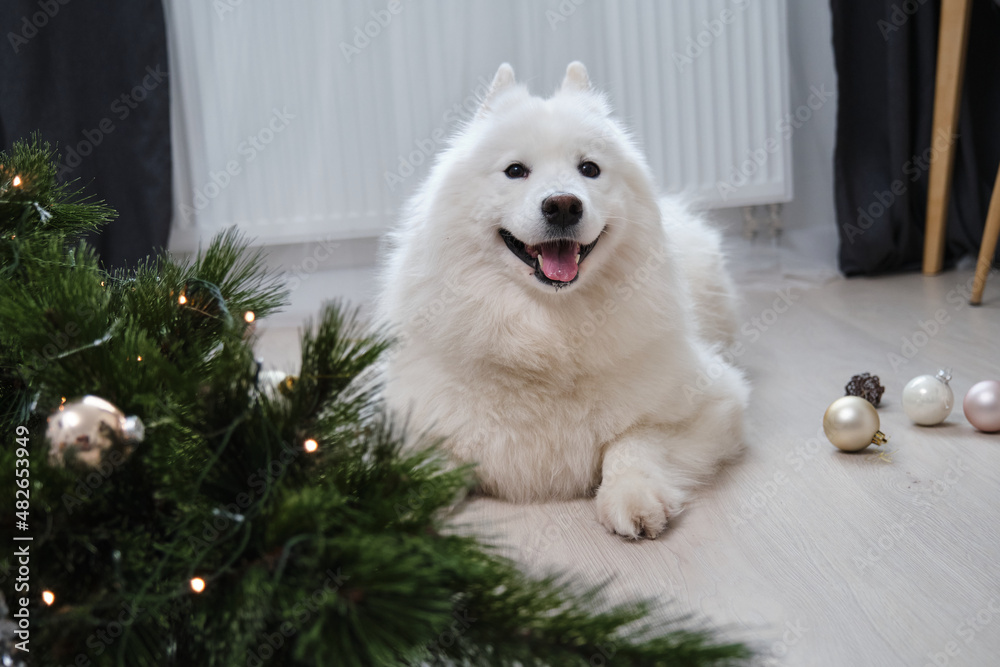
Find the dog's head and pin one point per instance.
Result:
(553, 184)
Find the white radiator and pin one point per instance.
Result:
(314, 119)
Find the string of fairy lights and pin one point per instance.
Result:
(15, 182)
(196, 584)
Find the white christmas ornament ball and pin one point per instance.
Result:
(927, 399)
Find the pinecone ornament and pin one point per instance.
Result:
(867, 386)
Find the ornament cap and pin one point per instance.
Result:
(943, 375)
(134, 429)
(879, 438)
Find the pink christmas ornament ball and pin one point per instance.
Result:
(982, 406)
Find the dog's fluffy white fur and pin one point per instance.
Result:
(611, 382)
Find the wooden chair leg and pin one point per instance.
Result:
(947, 92)
(989, 245)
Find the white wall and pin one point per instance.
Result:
(323, 270)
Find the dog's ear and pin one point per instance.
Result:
(576, 77)
(502, 80)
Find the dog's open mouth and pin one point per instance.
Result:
(555, 262)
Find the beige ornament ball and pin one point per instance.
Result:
(851, 423)
(88, 426)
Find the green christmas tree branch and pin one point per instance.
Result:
(335, 555)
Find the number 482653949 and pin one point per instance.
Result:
(23, 473)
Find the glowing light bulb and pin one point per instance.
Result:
(48, 597)
(310, 445)
(16, 182)
(182, 299)
(197, 584)
(139, 358)
(249, 316)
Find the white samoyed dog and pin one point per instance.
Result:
(558, 325)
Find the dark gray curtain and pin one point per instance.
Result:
(886, 55)
(91, 77)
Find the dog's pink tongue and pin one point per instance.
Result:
(559, 260)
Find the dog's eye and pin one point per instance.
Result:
(516, 170)
(589, 169)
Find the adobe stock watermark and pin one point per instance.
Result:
(967, 630)
(418, 496)
(752, 329)
(758, 500)
(64, 340)
(30, 25)
(918, 338)
(120, 108)
(447, 638)
(363, 35)
(447, 296)
(426, 148)
(88, 484)
(223, 7)
(605, 652)
(911, 344)
(624, 291)
(796, 459)
(561, 13)
(230, 516)
(543, 540)
(302, 611)
(99, 641)
(787, 126)
(884, 200)
(779, 649)
(103, 639)
(248, 151)
(899, 14)
(301, 271)
(712, 31)
(894, 533)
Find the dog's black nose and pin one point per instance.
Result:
(562, 210)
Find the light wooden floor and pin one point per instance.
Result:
(821, 557)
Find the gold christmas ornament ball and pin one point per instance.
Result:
(851, 423)
(277, 381)
(287, 386)
(88, 426)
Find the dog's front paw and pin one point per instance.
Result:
(634, 506)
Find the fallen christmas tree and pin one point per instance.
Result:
(245, 526)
